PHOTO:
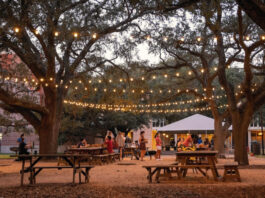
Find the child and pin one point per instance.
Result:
(109, 144)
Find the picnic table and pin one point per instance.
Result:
(88, 150)
(72, 160)
(198, 160)
(131, 151)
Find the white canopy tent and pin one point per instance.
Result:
(195, 122)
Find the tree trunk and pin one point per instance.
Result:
(240, 140)
(50, 124)
(219, 138)
(240, 123)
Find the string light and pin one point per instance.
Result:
(129, 108)
(148, 37)
(75, 34)
(16, 29)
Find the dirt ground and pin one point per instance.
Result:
(130, 180)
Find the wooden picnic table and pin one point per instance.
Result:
(198, 160)
(131, 151)
(88, 150)
(70, 159)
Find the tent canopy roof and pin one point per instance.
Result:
(195, 122)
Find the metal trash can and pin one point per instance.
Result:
(255, 148)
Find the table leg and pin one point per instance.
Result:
(149, 177)
(74, 170)
(211, 162)
(31, 173)
(22, 172)
(79, 171)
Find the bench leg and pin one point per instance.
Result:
(178, 172)
(225, 173)
(158, 175)
(238, 175)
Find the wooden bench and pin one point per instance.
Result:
(168, 169)
(231, 172)
(181, 170)
(102, 159)
(36, 170)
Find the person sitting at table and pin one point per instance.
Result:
(207, 143)
(200, 139)
(23, 147)
(109, 144)
(82, 143)
(188, 142)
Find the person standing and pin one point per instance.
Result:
(109, 133)
(120, 142)
(109, 144)
(142, 142)
(158, 146)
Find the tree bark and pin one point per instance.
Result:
(50, 124)
(240, 123)
(219, 137)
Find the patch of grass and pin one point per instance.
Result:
(6, 156)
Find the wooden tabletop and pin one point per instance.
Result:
(87, 149)
(195, 153)
(50, 155)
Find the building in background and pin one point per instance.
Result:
(8, 138)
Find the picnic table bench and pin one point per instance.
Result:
(181, 170)
(168, 169)
(72, 161)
